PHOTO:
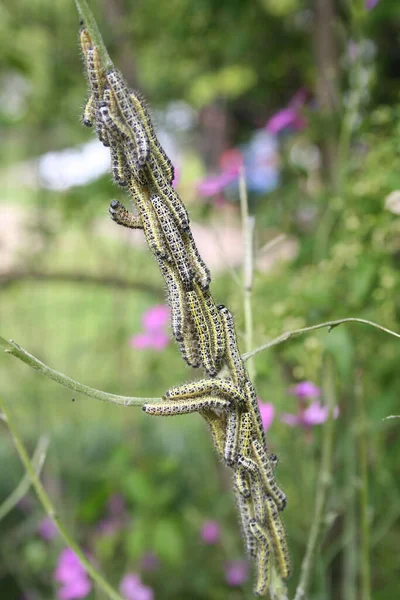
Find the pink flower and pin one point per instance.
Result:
(305, 390)
(315, 414)
(47, 529)
(230, 163)
(156, 317)
(289, 116)
(370, 4)
(155, 321)
(132, 588)
(210, 532)
(267, 411)
(74, 580)
(236, 572)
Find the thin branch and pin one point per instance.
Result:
(330, 324)
(11, 277)
(49, 508)
(91, 25)
(323, 485)
(15, 350)
(38, 458)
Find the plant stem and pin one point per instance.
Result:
(48, 507)
(363, 498)
(323, 485)
(248, 225)
(15, 350)
(330, 324)
(91, 25)
(38, 458)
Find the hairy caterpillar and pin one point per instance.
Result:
(232, 355)
(168, 194)
(263, 558)
(203, 387)
(202, 329)
(123, 217)
(176, 298)
(216, 424)
(266, 472)
(201, 272)
(174, 241)
(246, 514)
(213, 317)
(278, 538)
(232, 435)
(152, 228)
(184, 407)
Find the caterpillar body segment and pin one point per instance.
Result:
(116, 129)
(254, 410)
(204, 387)
(245, 435)
(85, 41)
(174, 241)
(201, 271)
(190, 349)
(120, 170)
(216, 425)
(232, 436)
(168, 194)
(245, 509)
(176, 298)
(277, 536)
(123, 217)
(232, 354)
(203, 334)
(242, 481)
(95, 72)
(121, 93)
(163, 162)
(215, 324)
(152, 228)
(184, 407)
(89, 112)
(258, 497)
(263, 558)
(267, 474)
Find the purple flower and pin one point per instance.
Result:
(132, 588)
(230, 163)
(305, 390)
(315, 414)
(210, 532)
(289, 117)
(73, 578)
(156, 317)
(154, 321)
(370, 4)
(236, 572)
(267, 411)
(47, 529)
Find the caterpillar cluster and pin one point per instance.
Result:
(204, 331)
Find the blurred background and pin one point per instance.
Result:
(304, 93)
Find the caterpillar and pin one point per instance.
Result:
(152, 228)
(203, 387)
(168, 194)
(213, 317)
(278, 538)
(121, 216)
(232, 355)
(246, 514)
(232, 435)
(253, 408)
(135, 128)
(164, 163)
(184, 407)
(263, 558)
(201, 272)
(174, 241)
(267, 475)
(242, 481)
(216, 425)
(203, 334)
(176, 298)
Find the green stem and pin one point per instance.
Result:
(48, 507)
(38, 458)
(323, 485)
(330, 324)
(91, 25)
(364, 521)
(15, 350)
(248, 224)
